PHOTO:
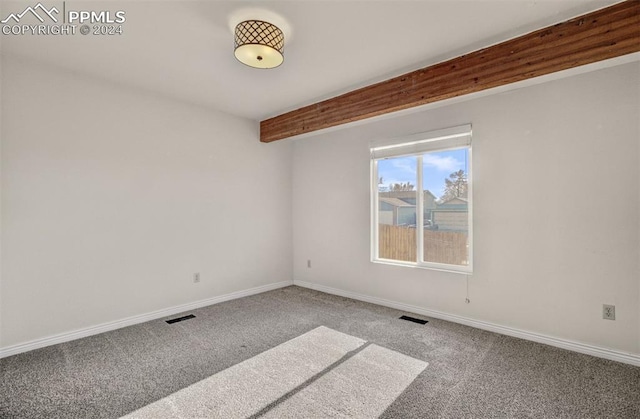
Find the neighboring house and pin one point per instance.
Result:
(429, 205)
(451, 215)
(394, 211)
(399, 207)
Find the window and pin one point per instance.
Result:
(421, 201)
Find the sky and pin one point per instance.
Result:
(436, 167)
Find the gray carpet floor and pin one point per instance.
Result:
(471, 373)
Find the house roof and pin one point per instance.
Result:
(395, 202)
(455, 201)
(453, 205)
(404, 194)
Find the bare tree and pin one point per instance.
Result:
(455, 186)
(401, 186)
(381, 187)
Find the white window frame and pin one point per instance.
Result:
(417, 145)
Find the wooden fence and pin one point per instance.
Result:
(399, 243)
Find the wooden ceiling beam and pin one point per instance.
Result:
(600, 35)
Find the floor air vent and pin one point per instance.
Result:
(179, 319)
(413, 319)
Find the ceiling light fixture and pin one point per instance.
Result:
(259, 44)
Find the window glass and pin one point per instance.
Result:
(446, 207)
(422, 201)
(397, 195)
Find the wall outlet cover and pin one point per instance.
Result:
(608, 312)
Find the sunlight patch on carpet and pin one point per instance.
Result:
(363, 385)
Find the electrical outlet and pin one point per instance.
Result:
(308, 263)
(196, 277)
(608, 312)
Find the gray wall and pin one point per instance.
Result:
(547, 269)
(112, 198)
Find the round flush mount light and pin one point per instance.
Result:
(259, 44)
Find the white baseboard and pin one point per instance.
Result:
(106, 327)
(582, 348)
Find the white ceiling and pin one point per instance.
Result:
(184, 49)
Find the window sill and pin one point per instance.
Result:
(464, 270)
